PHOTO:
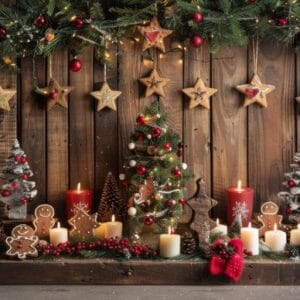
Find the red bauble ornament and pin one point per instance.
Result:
(17, 158)
(156, 132)
(282, 21)
(14, 185)
(2, 33)
(197, 17)
(75, 65)
(196, 41)
(180, 145)
(181, 201)
(40, 21)
(141, 170)
(24, 201)
(291, 183)
(167, 146)
(53, 95)
(23, 159)
(169, 203)
(140, 137)
(176, 173)
(24, 176)
(5, 193)
(140, 120)
(78, 22)
(148, 220)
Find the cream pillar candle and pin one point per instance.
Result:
(58, 235)
(295, 236)
(219, 229)
(275, 239)
(99, 232)
(113, 229)
(169, 244)
(250, 239)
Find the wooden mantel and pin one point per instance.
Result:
(137, 272)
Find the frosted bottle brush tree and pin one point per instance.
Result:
(155, 175)
(18, 190)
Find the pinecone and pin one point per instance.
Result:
(188, 245)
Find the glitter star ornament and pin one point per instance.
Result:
(199, 94)
(5, 96)
(106, 97)
(154, 35)
(55, 94)
(154, 84)
(256, 91)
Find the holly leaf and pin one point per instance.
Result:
(51, 7)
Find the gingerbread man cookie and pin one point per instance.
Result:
(43, 220)
(22, 242)
(269, 217)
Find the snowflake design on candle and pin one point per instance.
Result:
(79, 205)
(240, 208)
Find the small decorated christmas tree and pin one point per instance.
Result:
(111, 202)
(291, 198)
(18, 190)
(155, 173)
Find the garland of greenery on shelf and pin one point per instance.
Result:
(38, 27)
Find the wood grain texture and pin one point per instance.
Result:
(229, 124)
(57, 141)
(33, 128)
(271, 131)
(81, 124)
(297, 92)
(196, 130)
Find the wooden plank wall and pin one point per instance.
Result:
(223, 144)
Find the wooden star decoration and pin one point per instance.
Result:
(199, 94)
(256, 91)
(201, 204)
(5, 96)
(154, 84)
(55, 94)
(106, 97)
(154, 35)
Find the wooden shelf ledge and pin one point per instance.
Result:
(146, 272)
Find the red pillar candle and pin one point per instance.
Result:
(78, 197)
(240, 202)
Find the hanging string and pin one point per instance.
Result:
(104, 72)
(255, 54)
(50, 66)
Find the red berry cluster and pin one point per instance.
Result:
(109, 245)
(219, 247)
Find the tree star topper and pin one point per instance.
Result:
(56, 94)
(199, 94)
(154, 84)
(256, 91)
(106, 97)
(5, 96)
(154, 35)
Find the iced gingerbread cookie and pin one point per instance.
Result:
(269, 217)
(22, 242)
(43, 220)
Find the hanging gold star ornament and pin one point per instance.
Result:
(106, 97)
(256, 91)
(154, 35)
(199, 94)
(154, 84)
(5, 96)
(55, 94)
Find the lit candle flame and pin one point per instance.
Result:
(249, 225)
(78, 187)
(239, 184)
(113, 218)
(58, 225)
(275, 227)
(217, 221)
(169, 230)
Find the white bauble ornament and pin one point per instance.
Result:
(149, 136)
(158, 116)
(131, 211)
(131, 146)
(122, 176)
(132, 163)
(164, 130)
(184, 166)
(173, 202)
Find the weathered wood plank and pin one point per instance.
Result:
(81, 124)
(197, 123)
(57, 141)
(229, 124)
(298, 104)
(33, 124)
(272, 130)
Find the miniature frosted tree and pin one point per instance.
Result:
(155, 176)
(291, 198)
(18, 190)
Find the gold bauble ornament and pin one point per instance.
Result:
(7, 60)
(158, 196)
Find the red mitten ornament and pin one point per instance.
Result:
(216, 265)
(234, 267)
(237, 244)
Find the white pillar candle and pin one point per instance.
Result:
(250, 239)
(219, 229)
(58, 235)
(275, 239)
(113, 229)
(295, 236)
(99, 232)
(169, 244)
